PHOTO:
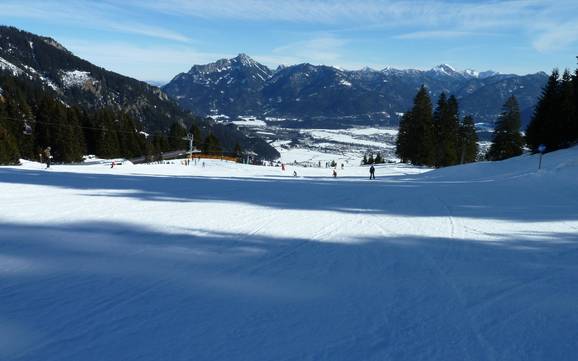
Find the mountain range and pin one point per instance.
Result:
(309, 95)
(49, 66)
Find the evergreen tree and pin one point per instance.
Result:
(107, 145)
(541, 129)
(402, 144)
(24, 112)
(237, 150)
(44, 130)
(575, 125)
(415, 142)
(69, 141)
(566, 126)
(439, 114)
(178, 137)
(160, 144)
(211, 145)
(446, 131)
(468, 142)
(131, 142)
(364, 161)
(507, 141)
(370, 159)
(9, 153)
(378, 159)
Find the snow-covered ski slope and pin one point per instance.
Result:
(237, 262)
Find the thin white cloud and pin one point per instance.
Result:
(147, 63)
(434, 34)
(323, 49)
(99, 16)
(392, 12)
(557, 37)
(320, 50)
(421, 19)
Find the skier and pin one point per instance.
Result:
(372, 172)
(112, 164)
(283, 167)
(294, 173)
(334, 173)
(48, 156)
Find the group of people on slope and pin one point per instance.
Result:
(334, 172)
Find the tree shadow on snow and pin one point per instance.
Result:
(404, 195)
(95, 291)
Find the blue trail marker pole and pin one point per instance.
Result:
(541, 149)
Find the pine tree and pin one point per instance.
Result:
(507, 141)
(131, 144)
(211, 145)
(566, 125)
(364, 161)
(237, 150)
(446, 131)
(107, 145)
(178, 137)
(402, 144)
(159, 144)
(415, 142)
(540, 129)
(9, 153)
(370, 159)
(575, 125)
(468, 142)
(69, 143)
(440, 113)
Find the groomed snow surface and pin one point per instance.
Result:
(239, 262)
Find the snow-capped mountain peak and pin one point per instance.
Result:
(245, 60)
(487, 74)
(471, 73)
(444, 69)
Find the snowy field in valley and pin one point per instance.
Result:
(240, 262)
(309, 146)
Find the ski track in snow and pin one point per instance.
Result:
(154, 262)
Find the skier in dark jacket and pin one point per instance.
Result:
(372, 172)
(48, 156)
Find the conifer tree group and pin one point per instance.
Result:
(507, 140)
(31, 120)
(555, 120)
(369, 158)
(436, 138)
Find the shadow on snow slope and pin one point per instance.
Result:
(528, 198)
(114, 291)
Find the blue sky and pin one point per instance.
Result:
(156, 39)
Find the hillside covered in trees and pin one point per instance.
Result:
(33, 68)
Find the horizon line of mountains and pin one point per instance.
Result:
(302, 95)
(306, 95)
